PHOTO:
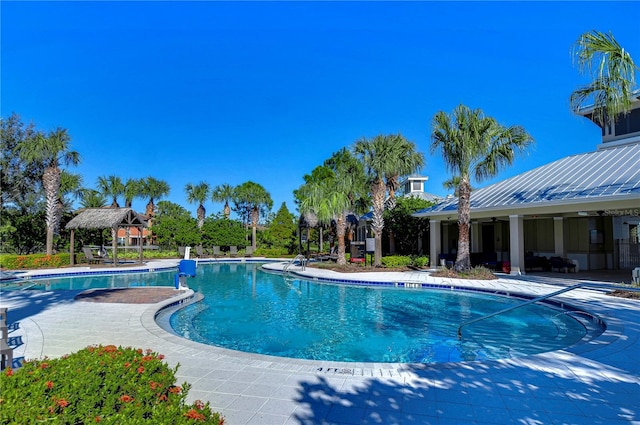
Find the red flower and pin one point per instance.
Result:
(199, 404)
(126, 398)
(192, 414)
(160, 356)
(63, 403)
(9, 372)
(140, 369)
(44, 365)
(49, 384)
(127, 364)
(98, 418)
(163, 397)
(175, 390)
(154, 385)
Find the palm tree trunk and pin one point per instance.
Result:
(51, 183)
(227, 210)
(377, 224)
(463, 260)
(255, 214)
(340, 232)
(201, 214)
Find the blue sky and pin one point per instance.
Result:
(226, 92)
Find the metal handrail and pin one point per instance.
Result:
(540, 298)
(300, 257)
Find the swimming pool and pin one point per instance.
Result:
(249, 310)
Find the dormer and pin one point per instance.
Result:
(413, 184)
(626, 128)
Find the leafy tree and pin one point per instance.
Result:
(385, 157)
(218, 230)
(281, 231)
(197, 194)
(153, 189)
(251, 202)
(50, 152)
(20, 232)
(91, 198)
(407, 228)
(19, 179)
(471, 143)
(111, 187)
(174, 226)
(612, 73)
(223, 193)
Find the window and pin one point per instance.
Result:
(416, 186)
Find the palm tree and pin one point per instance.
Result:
(612, 73)
(197, 194)
(70, 184)
(91, 198)
(328, 198)
(111, 187)
(133, 188)
(226, 193)
(153, 189)
(385, 157)
(50, 151)
(473, 144)
(253, 200)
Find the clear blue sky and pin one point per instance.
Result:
(228, 92)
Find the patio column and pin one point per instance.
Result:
(434, 242)
(475, 236)
(558, 236)
(516, 242)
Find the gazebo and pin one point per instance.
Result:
(106, 218)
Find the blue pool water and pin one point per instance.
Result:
(250, 310)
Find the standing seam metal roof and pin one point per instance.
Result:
(609, 173)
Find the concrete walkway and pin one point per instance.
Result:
(595, 382)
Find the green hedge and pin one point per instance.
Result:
(35, 261)
(105, 384)
(404, 261)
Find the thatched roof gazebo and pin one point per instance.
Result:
(106, 218)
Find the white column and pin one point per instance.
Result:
(558, 236)
(475, 236)
(516, 241)
(434, 242)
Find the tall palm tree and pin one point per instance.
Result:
(70, 185)
(612, 72)
(91, 198)
(472, 144)
(133, 189)
(385, 156)
(153, 189)
(197, 194)
(255, 201)
(223, 193)
(112, 187)
(328, 198)
(50, 151)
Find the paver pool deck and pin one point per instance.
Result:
(594, 382)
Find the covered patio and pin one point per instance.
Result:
(106, 218)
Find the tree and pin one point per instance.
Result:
(282, 229)
(221, 231)
(385, 157)
(407, 228)
(111, 187)
(174, 226)
(223, 193)
(70, 185)
(252, 201)
(612, 73)
(50, 151)
(197, 194)
(133, 188)
(91, 198)
(153, 189)
(19, 179)
(472, 144)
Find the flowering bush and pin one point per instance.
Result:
(106, 384)
(34, 261)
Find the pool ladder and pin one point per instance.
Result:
(535, 300)
(301, 258)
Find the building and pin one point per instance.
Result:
(585, 208)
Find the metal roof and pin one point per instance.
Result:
(603, 175)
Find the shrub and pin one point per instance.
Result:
(422, 261)
(396, 261)
(34, 261)
(105, 384)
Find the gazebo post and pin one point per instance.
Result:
(140, 243)
(114, 245)
(72, 260)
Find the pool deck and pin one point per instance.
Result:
(594, 382)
